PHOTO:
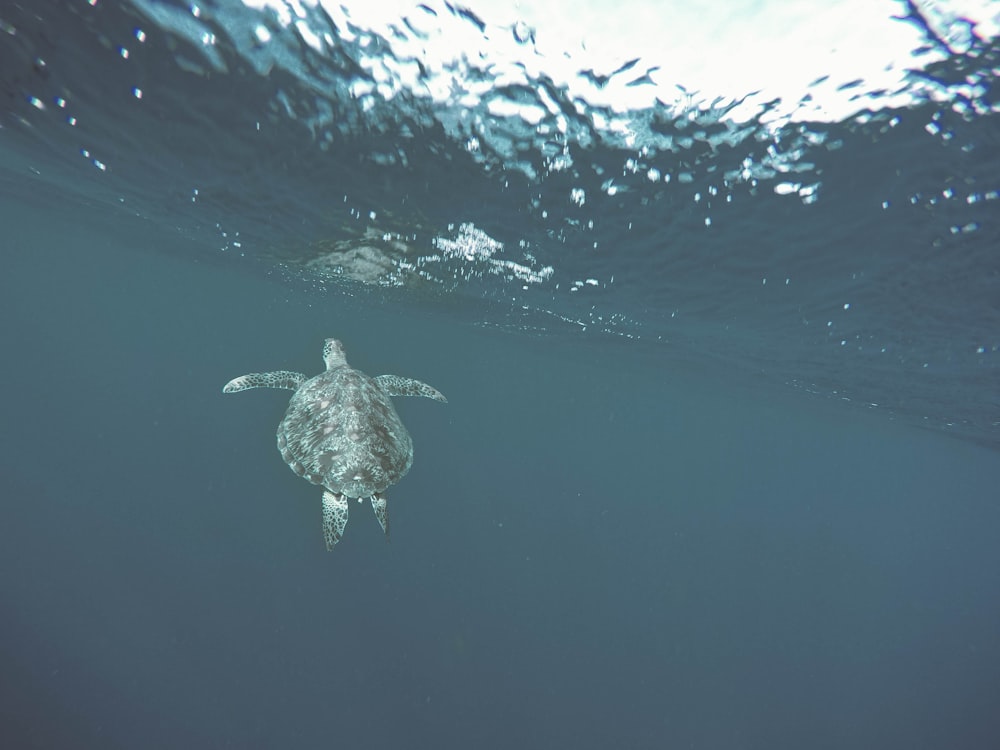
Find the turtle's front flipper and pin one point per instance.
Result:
(279, 379)
(397, 386)
(381, 513)
(334, 518)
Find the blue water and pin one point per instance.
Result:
(718, 467)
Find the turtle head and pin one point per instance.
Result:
(333, 354)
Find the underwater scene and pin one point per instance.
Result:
(620, 374)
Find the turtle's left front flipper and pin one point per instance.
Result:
(394, 385)
(278, 379)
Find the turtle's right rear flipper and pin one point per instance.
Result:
(381, 512)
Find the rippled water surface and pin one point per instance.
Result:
(853, 257)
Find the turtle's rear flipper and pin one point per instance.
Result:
(278, 379)
(381, 513)
(334, 518)
(394, 385)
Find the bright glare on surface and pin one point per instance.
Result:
(700, 51)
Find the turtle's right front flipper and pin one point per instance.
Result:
(278, 379)
(395, 385)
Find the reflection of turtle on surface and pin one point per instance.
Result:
(374, 258)
(342, 432)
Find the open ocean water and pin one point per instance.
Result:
(719, 467)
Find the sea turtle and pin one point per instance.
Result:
(342, 432)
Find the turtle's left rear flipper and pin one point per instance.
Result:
(334, 518)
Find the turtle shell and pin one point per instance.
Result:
(342, 432)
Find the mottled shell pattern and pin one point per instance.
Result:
(341, 431)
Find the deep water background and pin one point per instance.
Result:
(594, 547)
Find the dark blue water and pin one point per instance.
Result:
(671, 506)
